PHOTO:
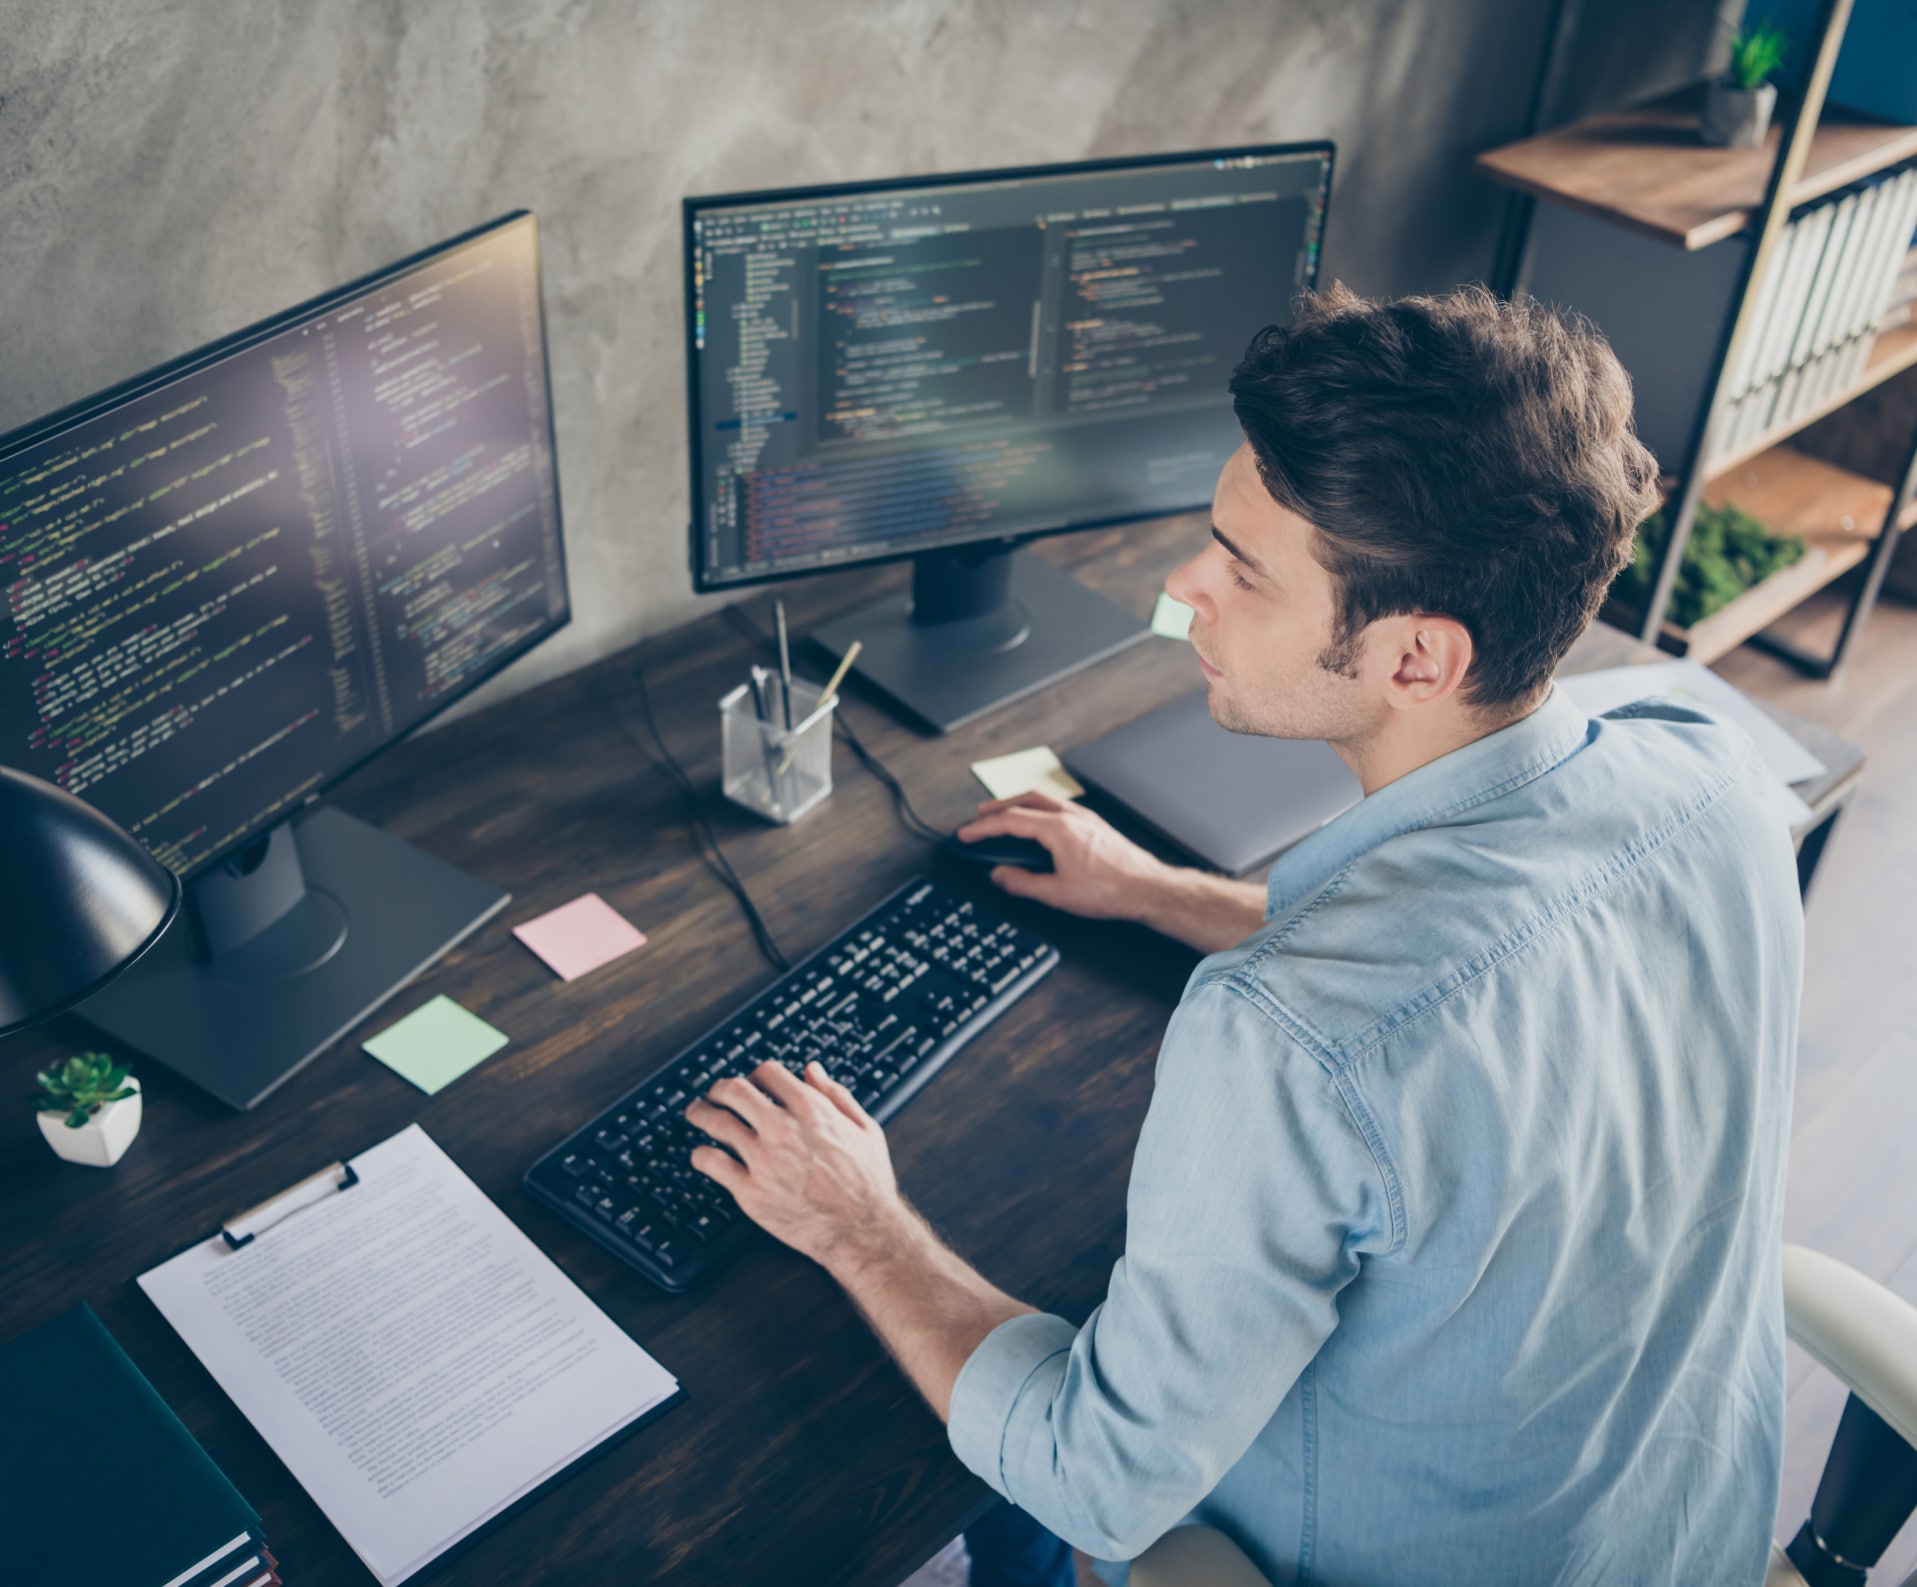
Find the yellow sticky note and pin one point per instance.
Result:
(1171, 619)
(1008, 776)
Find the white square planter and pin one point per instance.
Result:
(101, 1141)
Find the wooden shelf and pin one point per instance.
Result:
(1894, 351)
(1837, 512)
(1645, 168)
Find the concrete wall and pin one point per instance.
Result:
(171, 170)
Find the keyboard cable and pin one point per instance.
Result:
(716, 857)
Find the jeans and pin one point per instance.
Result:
(1010, 1549)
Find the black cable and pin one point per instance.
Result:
(913, 821)
(909, 817)
(721, 866)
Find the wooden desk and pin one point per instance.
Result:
(800, 1456)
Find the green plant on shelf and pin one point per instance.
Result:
(1756, 53)
(1729, 551)
(81, 1086)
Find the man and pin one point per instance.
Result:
(1453, 1228)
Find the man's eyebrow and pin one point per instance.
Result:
(1251, 562)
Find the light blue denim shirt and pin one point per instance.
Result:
(1452, 1245)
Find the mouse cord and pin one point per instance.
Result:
(716, 859)
(909, 817)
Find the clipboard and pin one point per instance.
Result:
(260, 1217)
(418, 1364)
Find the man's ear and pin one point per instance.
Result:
(1428, 657)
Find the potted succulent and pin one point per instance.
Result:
(89, 1109)
(1738, 105)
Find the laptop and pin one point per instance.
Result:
(1232, 801)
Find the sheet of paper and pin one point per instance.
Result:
(1171, 619)
(413, 1358)
(1607, 689)
(435, 1044)
(579, 937)
(1008, 776)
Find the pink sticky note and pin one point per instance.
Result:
(580, 936)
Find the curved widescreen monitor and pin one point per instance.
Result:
(888, 369)
(230, 581)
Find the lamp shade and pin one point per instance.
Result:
(80, 900)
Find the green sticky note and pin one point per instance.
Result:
(1171, 619)
(435, 1044)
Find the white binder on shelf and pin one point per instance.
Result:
(1803, 344)
(1903, 219)
(1793, 293)
(1852, 295)
(1852, 215)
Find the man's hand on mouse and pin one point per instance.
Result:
(1095, 871)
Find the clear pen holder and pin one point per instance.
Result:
(771, 772)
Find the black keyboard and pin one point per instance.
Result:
(883, 1008)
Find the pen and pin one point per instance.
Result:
(826, 697)
(758, 677)
(785, 661)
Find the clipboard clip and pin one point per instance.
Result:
(240, 1229)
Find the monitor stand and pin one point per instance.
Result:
(284, 948)
(982, 627)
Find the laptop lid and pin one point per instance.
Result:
(1232, 801)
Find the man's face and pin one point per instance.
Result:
(1265, 619)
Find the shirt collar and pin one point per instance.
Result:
(1481, 770)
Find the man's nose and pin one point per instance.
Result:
(1187, 584)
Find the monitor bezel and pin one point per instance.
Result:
(203, 358)
(703, 582)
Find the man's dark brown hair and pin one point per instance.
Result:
(1457, 455)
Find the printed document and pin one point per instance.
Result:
(416, 1361)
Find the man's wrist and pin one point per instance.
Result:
(891, 1234)
(1154, 895)
(1170, 897)
(1203, 911)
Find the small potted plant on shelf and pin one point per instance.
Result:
(1728, 553)
(1738, 105)
(89, 1109)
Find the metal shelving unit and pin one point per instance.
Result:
(1645, 169)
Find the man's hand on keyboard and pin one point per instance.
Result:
(810, 1167)
(807, 1164)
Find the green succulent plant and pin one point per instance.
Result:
(81, 1086)
(1728, 552)
(1756, 53)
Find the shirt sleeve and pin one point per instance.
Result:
(1252, 1196)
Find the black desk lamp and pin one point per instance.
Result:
(80, 900)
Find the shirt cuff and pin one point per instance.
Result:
(990, 1382)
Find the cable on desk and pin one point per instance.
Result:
(908, 816)
(717, 856)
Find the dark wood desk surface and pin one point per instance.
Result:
(800, 1455)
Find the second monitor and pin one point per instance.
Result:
(228, 583)
(945, 367)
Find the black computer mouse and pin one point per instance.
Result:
(1027, 853)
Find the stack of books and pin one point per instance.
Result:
(100, 1484)
(1818, 309)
